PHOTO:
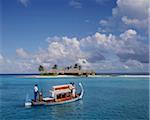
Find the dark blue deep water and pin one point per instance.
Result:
(106, 98)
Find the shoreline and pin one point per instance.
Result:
(70, 76)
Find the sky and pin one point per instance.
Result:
(103, 35)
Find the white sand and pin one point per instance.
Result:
(64, 76)
(42, 76)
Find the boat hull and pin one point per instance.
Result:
(54, 103)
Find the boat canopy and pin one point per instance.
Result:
(63, 87)
(56, 92)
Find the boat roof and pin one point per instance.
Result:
(58, 86)
(62, 87)
(56, 92)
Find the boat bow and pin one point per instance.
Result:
(82, 90)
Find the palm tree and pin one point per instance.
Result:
(80, 67)
(55, 67)
(41, 68)
(76, 65)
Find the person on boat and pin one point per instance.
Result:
(73, 91)
(35, 91)
(40, 96)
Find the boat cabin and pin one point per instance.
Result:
(63, 92)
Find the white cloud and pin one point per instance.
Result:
(133, 12)
(18, 66)
(22, 53)
(60, 50)
(84, 63)
(128, 35)
(1, 59)
(75, 3)
(128, 21)
(129, 14)
(103, 22)
(134, 65)
(101, 52)
(133, 8)
(135, 22)
(126, 46)
(25, 3)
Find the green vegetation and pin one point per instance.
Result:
(41, 68)
(55, 67)
(76, 69)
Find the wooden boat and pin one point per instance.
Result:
(59, 95)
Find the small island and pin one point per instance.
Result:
(75, 70)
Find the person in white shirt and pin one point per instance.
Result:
(73, 91)
(35, 91)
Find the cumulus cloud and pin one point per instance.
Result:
(18, 66)
(135, 65)
(60, 50)
(94, 51)
(1, 59)
(21, 53)
(135, 22)
(84, 63)
(129, 14)
(128, 21)
(126, 46)
(132, 48)
(101, 52)
(75, 3)
(133, 8)
(129, 34)
(103, 22)
(125, 52)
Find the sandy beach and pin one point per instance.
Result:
(40, 76)
(69, 76)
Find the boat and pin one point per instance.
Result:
(60, 94)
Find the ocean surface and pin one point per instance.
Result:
(105, 98)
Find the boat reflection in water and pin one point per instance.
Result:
(65, 110)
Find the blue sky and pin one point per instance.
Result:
(92, 27)
(49, 18)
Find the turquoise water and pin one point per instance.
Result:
(105, 98)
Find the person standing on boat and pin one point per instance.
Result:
(35, 91)
(73, 91)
